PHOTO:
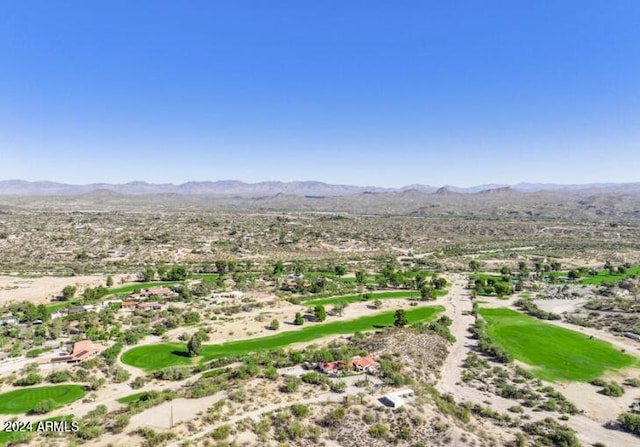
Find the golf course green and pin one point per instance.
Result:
(556, 354)
(25, 400)
(158, 356)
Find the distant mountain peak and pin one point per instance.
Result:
(237, 188)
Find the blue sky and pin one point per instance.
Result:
(342, 91)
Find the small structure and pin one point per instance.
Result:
(128, 304)
(75, 310)
(397, 398)
(8, 320)
(235, 295)
(632, 335)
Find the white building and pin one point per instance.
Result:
(397, 398)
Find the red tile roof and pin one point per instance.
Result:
(363, 362)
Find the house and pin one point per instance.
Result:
(82, 350)
(396, 399)
(161, 291)
(236, 295)
(92, 307)
(364, 364)
(331, 368)
(146, 293)
(75, 310)
(128, 304)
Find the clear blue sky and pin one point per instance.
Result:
(362, 92)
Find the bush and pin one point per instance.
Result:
(378, 430)
(58, 377)
(44, 406)
(173, 373)
(612, 389)
(221, 432)
(299, 410)
(551, 432)
(111, 354)
(120, 374)
(630, 422)
(291, 385)
(334, 417)
(338, 386)
(29, 380)
(137, 383)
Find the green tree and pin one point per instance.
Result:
(274, 325)
(360, 277)
(149, 274)
(299, 320)
(177, 273)
(278, 268)
(474, 265)
(439, 283)
(109, 281)
(420, 280)
(400, 318)
(502, 288)
(340, 270)
(194, 345)
(221, 266)
(339, 308)
(69, 292)
(320, 313)
(427, 293)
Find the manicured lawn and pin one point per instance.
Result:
(141, 285)
(358, 297)
(131, 397)
(23, 401)
(14, 436)
(556, 354)
(54, 307)
(605, 275)
(9, 436)
(153, 357)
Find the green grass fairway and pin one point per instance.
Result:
(556, 354)
(131, 397)
(23, 401)
(141, 285)
(605, 275)
(357, 297)
(153, 357)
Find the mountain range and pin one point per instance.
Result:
(297, 188)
